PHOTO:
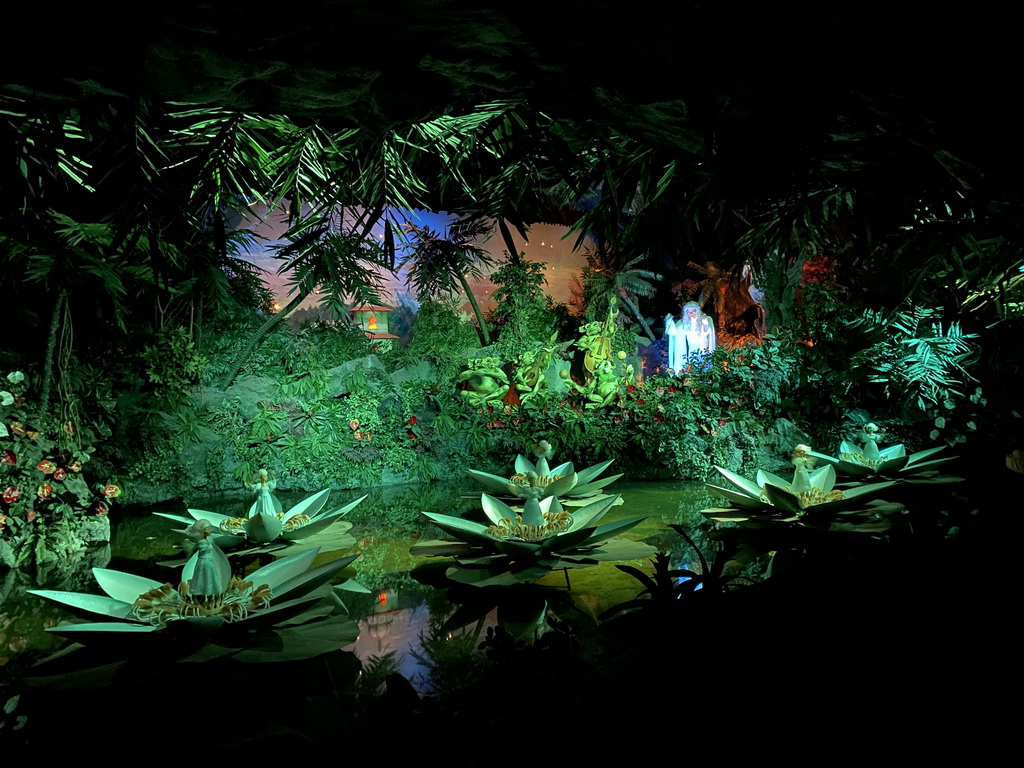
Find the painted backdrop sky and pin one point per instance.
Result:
(545, 244)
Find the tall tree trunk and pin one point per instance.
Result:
(484, 335)
(51, 345)
(272, 322)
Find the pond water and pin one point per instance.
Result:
(402, 621)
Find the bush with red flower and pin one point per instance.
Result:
(47, 499)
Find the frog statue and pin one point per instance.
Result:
(602, 390)
(596, 341)
(531, 365)
(487, 382)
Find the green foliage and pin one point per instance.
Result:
(49, 492)
(440, 334)
(520, 311)
(173, 367)
(916, 360)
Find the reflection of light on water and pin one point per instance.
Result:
(399, 632)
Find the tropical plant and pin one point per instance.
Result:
(50, 505)
(604, 282)
(917, 360)
(667, 585)
(525, 542)
(342, 265)
(438, 266)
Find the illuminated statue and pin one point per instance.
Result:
(690, 339)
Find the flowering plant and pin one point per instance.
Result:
(48, 504)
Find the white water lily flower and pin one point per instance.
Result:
(266, 523)
(540, 526)
(207, 595)
(807, 491)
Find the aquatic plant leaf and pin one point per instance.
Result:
(310, 506)
(124, 586)
(101, 604)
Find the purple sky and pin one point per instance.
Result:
(545, 244)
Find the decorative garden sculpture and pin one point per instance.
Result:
(690, 339)
(268, 524)
(525, 542)
(869, 460)
(209, 600)
(810, 499)
(529, 377)
(487, 382)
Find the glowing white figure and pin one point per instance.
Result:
(690, 339)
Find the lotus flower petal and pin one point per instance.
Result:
(280, 571)
(591, 513)
(588, 474)
(263, 527)
(524, 465)
(214, 518)
(561, 485)
(741, 499)
(563, 469)
(493, 482)
(606, 531)
(459, 527)
(310, 506)
(311, 579)
(751, 489)
(783, 499)
(101, 604)
(495, 509)
(532, 514)
(307, 530)
(767, 477)
(823, 478)
(588, 489)
(101, 626)
(210, 577)
(125, 587)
